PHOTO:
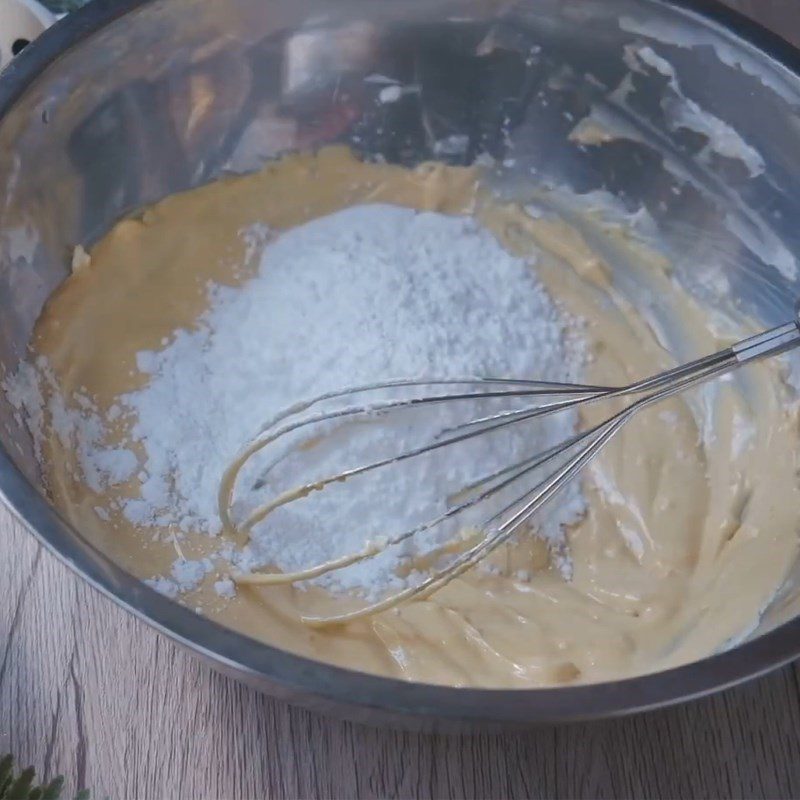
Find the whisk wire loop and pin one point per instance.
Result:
(565, 460)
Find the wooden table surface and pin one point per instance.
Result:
(87, 691)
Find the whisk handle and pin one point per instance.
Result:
(770, 343)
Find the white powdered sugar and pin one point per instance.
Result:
(225, 588)
(79, 426)
(370, 293)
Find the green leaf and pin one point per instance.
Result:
(53, 789)
(6, 773)
(23, 787)
(20, 788)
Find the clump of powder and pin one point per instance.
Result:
(370, 293)
(80, 426)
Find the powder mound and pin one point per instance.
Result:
(366, 294)
(370, 293)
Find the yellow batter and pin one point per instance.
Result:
(687, 537)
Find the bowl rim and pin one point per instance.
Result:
(315, 684)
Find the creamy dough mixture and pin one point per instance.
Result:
(693, 510)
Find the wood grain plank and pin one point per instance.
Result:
(90, 692)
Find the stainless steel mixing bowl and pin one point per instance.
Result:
(127, 101)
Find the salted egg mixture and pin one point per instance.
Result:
(186, 328)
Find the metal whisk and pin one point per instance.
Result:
(536, 399)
